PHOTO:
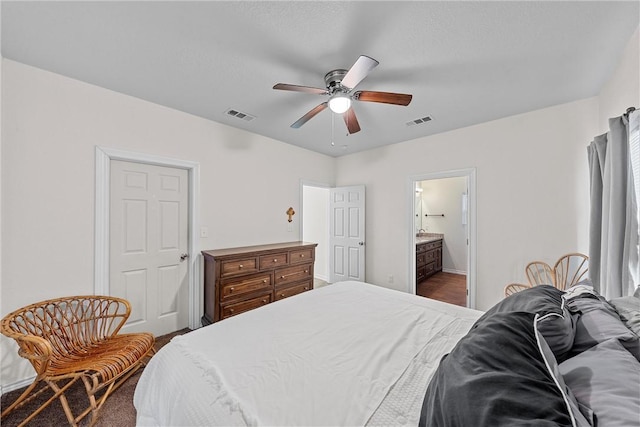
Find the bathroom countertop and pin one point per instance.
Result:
(428, 237)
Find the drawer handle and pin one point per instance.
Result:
(264, 301)
(306, 288)
(301, 255)
(264, 280)
(231, 289)
(231, 310)
(282, 295)
(275, 260)
(240, 266)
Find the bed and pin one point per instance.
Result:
(345, 354)
(357, 354)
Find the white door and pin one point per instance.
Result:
(346, 228)
(148, 245)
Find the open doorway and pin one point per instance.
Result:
(442, 261)
(315, 227)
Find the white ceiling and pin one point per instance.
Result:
(464, 62)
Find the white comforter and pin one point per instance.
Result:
(326, 357)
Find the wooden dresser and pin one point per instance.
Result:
(428, 259)
(241, 279)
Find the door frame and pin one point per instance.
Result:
(470, 174)
(104, 155)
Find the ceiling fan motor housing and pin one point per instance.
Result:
(333, 80)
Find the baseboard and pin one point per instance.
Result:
(15, 386)
(452, 271)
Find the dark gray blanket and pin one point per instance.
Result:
(495, 376)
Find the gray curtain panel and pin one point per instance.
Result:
(613, 233)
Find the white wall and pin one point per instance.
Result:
(52, 125)
(315, 224)
(444, 196)
(622, 90)
(532, 192)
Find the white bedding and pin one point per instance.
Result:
(346, 354)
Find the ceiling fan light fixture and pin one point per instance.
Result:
(339, 103)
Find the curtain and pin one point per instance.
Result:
(613, 228)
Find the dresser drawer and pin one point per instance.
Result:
(430, 256)
(429, 268)
(420, 260)
(245, 284)
(294, 290)
(433, 245)
(298, 257)
(421, 274)
(271, 261)
(238, 266)
(229, 310)
(293, 274)
(421, 248)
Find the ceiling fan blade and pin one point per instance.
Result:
(297, 88)
(359, 71)
(304, 119)
(383, 97)
(351, 121)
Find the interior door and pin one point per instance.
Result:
(347, 234)
(148, 244)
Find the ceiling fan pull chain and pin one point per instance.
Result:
(347, 121)
(332, 142)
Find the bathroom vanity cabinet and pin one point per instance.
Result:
(428, 258)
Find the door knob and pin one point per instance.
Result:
(183, 257)
(361, 243)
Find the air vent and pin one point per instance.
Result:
(240, 115)
(420, 120)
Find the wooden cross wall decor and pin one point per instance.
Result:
(291, 213)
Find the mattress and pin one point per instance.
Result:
(349, 353)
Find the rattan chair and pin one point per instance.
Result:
(513, 288)
(570, 269)
(539, 273)
(566, 272)
(73, 338)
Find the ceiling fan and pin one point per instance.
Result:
(340, 84)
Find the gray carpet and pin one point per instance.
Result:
(118, 410)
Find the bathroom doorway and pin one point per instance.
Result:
(443, 217)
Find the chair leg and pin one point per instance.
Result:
(95, 405)
(63, 400)
(25, 397)
(19, 400)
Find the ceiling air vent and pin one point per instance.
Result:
(239, 115)
(420, 120)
